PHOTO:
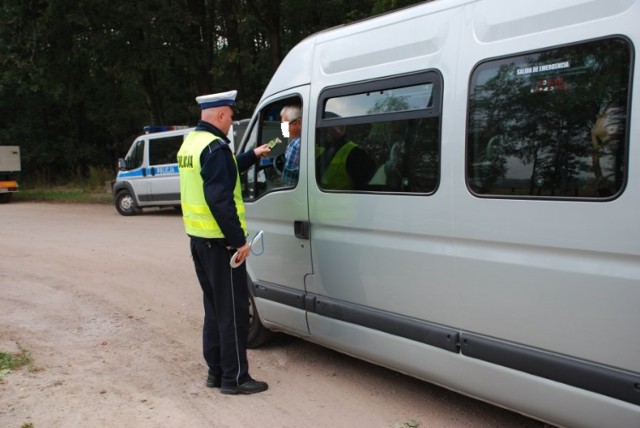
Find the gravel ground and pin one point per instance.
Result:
(110, 311)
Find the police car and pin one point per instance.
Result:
(148, 174)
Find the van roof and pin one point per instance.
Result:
(297, 68)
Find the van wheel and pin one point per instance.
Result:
(125, 204)
(258, 334)
(5, 197)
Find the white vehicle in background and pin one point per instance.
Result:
(494, 246)
(148, 174)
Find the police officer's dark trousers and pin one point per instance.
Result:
(226, 310)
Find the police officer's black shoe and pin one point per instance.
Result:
(213, 381)
(249, 387)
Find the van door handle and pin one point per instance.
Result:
(301, 229)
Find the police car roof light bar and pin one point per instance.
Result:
(150, 129)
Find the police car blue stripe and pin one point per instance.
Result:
(171, 169)
(166, 169)
(130, 174)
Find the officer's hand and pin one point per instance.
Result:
(262, 151)
(243, 252)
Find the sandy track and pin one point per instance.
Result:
(110, 310)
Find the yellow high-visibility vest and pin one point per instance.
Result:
(196, 215)
(336, 176)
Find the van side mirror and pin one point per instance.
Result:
(122, 164)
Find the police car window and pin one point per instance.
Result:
(137, 155)
(164, 150)
(380, 136)
(551, 124)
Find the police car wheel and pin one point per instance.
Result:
(258, 334)
(125, 204)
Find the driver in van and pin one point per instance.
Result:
(214, 218)
(291, 117)
(340, 163)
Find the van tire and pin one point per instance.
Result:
(258, 334)
(5, 197)
(126, 204)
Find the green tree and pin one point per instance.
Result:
(79, 79)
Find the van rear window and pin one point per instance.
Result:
(552, 123)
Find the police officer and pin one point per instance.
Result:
(214, 219)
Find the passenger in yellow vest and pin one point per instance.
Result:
(214, 218)
(340, 163)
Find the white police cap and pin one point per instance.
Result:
(217, 100)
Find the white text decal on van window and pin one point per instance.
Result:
(542, 68)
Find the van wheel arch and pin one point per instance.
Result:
(258, 333)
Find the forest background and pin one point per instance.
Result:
(79, 79)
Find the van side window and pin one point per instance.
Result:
(381, 136)
(551, 124)
(274, 172)
(164, 150)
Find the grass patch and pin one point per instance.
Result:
(93, 188)
(64, 194)
(10, 361)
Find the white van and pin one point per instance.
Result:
(148, 174)
(467, 204)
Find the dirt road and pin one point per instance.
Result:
(110, 310)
